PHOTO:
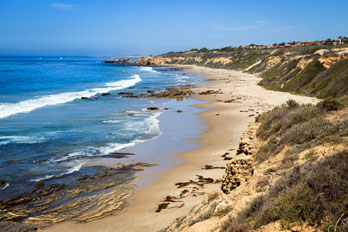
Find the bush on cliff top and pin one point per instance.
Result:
(301, 125)
(314, 193)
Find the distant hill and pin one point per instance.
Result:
(319, 71)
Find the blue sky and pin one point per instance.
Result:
(134, 27)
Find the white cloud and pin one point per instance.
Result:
(63, 6)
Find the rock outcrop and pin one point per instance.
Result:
(16, 227)
(240, 168)
(209, 215)
(119, 61)
(92, 197)
(177, 92)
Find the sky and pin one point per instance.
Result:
(144, 27)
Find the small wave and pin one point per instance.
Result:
(20, 139)
(149, 125)
(8, 109)
(73, 169)
(153, 122)
(42, 178)
(114, 147)
(181, 78)
(67, 157)
(149, 69)
(112, 121)
(5, 186)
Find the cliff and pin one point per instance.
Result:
(289, 174)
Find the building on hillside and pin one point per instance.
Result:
(300, 43)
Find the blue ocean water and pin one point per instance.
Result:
(47, 131)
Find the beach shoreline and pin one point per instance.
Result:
(233, 101)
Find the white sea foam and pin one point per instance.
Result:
(74, 168)
(112, 121)
(114, 147)
(6, 185)
(182, 78)
(8, 109)
(42, 178)
(149, 69)
(20, 139)
(149, 125)
(154, 128)
(68, 156)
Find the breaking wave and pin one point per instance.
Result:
(8, 109)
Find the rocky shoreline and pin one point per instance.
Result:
(89, 198)
(236, 100)
(47, 204)
(178, 92)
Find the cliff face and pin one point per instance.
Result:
(322, 73)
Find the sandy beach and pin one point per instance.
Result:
(233, 101)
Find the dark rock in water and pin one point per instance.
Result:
(121, 153)
(117, 155)
(106, 94)
(125, 94)
(84, 98)
(40, 185)
(84, 177)
(120, 61)
(152, 108)
(172, 93)
(3, 182)
(16, 227)
(179, 111)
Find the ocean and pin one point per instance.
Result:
(57, 113)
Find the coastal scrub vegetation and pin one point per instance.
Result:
(298, 126)
(313, 191)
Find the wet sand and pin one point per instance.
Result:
(233, 100)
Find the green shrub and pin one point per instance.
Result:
(303, 126)
(330, 105)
